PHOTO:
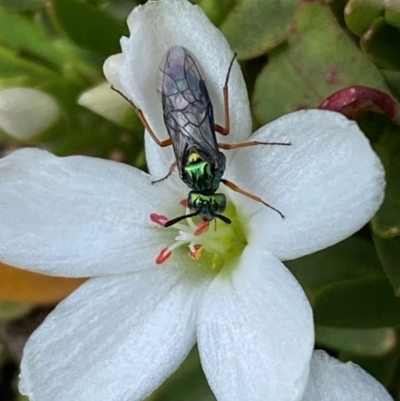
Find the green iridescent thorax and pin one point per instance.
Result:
(208, 205)
(200, 175)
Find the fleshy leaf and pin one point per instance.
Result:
(356, 100)
(30, 73)
(360, 14)
(364, 303)
(318, 60)
(379, 42)
(337, 7)
(393, 81)
(256, 26)
(217, 11)
(386, 222)
(187, 383)
(19, 33)
(22, 5)
(369, 342)
(88, 26)
(388, 250)
(350, 259)
(392, 12)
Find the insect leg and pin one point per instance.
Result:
(235, 188)
(219, 128)
(251, 143)
(171, 170)
(164, 143)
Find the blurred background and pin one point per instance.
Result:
(295, 54)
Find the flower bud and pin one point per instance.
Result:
(26, 112)
(109, 104)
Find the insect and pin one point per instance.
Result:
(189, 119)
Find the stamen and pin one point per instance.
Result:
(195, 236)
(164, 255)
(202, 228)
(158, 219)
(195, 252)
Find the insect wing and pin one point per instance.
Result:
(188, 112)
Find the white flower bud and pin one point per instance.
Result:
(26, 112)
(109, 104)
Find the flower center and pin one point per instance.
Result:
(211, 241)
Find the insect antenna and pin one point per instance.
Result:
(177, 219)
(223, 218)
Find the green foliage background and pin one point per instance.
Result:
(294, 54)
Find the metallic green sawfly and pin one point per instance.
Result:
(189, 119)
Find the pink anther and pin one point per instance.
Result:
(158, 219)
(164, 255)
(202, 227)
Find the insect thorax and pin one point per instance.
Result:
(200, 175)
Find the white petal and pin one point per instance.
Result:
(77, 216)
(114, 339)
(26, 112)
(158, 159)
(255, 332)
(155, 27)
(328, 183)
(331, 380)
(111, 69)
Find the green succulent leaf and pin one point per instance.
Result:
(370, 342)
(318, 59)
(388, 250)
(393, 81)
(21, 34)
(30, 73)
(363, 304)
(187, 383)
(218, 10)
(22, 5)
(386, 223)
(337, 7)
(381, 42)
(392, 13)
(88, 26)
(360, 14)
(256, 26)
(350, 259)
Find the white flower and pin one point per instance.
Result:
(130, 326)
(27, 112)
(331, 380)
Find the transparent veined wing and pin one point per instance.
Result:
(188, 112)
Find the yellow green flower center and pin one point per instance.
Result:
(210, 244)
